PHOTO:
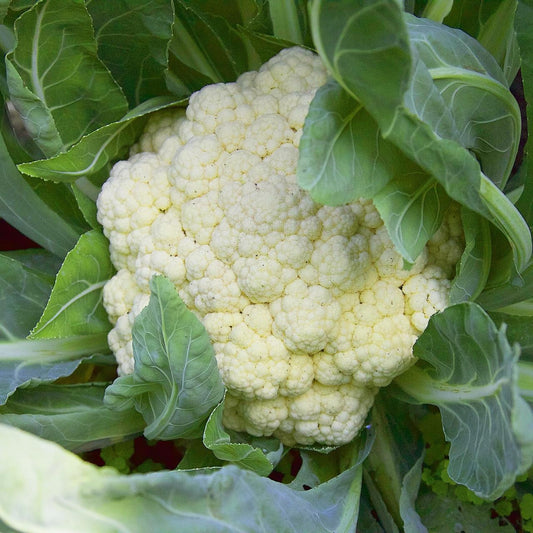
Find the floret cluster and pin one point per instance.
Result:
(309, 307)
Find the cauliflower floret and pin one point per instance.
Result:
(309, 307)
(160, 127)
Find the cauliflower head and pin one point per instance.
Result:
(309, 307)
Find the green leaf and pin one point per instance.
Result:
(471, 376)
(523, 22)
(289, 21)
(41, 360)
(23, 296)
(342, 156)
(21, 206)
(408, 495)
(396, 449)
(497, 35)
(98, 148)
(4, 7)
(74, 416)
(440, 513)
(75, 305)
(207, 43)
(491, 23)
(518, 330)
(412, 208)
(485, 114)
(175, 384)
(422, 83)
(474, 267)
(197, 456)
(217, 500)
(367, 520)
(37, 259)
(132, 38)
(258, 454)
(55, 79)
(514, 291)
(60, 198)
(437, 9)
(321, 466)
(86, 205)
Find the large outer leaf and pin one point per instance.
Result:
(97, 148)
(474, 267)
(22, 207)
(55, 79)
(342, 154)
(175, 384)
(38, 360)
(75, 305)
(523, 24)
(509, 293)
(207, 43)
(367, 47)
(471, 377)
(438, 512)
(45, 487)
(74, 416)
(23, 295)
(491, 23)
(132, 39)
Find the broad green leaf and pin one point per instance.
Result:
(396, 449)
(474, 267)
(215, 41)
(412, 208)
(259, 455)
(410, 486)
(56, 81)
(60, 198)
(225, 500)
(518, 330)
(74, 416)
(437, 10)
(86, 205)
(470, 374)
(485, 114)
(183, 80)
(4, 6)
(523, 22)
(98, 148)
(318, 467)
(367, 520)
(403, 83)
(197, 456)
(510, 293)
(439, 512)
(37, 259)
(207, 43)
(289, 21)
(342, 155)
(38, 360)
(491, 23)
(175, 384)
(75, 305)
(36, 116)
(21, 206)
(23, 296)
(132, 38)
(497, 35)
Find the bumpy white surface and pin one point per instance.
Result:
(308, 306)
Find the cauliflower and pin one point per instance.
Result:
(309, 307)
